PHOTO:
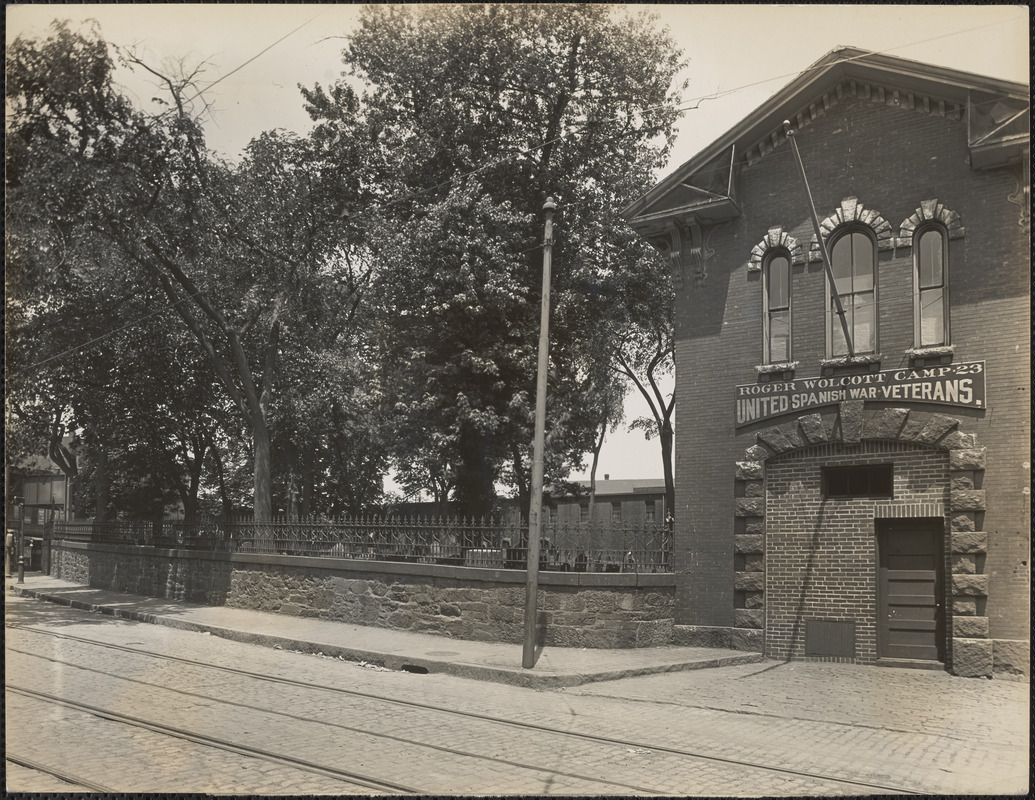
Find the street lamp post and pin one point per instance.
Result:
(536, 504)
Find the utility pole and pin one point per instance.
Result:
(536, 503)
(21, 545)
(819, 238)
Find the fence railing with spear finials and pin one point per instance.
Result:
(482, 542)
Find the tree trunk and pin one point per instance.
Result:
(474, 487)
(263, 483)
(667, 437)
(101, 482)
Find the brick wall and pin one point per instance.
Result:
(821, 555)
(575, 609)
(892, 160)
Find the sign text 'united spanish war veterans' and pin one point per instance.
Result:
(950, 384)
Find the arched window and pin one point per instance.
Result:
(930, 285)
(853, 261)
(776, 297)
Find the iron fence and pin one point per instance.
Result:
(488, 542)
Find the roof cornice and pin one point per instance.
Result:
(810, 88)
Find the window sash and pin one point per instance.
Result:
(853, 264)
(930, 295)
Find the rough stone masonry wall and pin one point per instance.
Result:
(576, 609)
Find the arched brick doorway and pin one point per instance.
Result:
(808, 565)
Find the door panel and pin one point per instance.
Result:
(909, 587)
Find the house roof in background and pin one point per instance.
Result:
(628, 486)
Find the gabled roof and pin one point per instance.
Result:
(997, 114)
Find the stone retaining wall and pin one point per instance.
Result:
(575, 609)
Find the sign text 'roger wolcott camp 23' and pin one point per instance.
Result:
(951, 384)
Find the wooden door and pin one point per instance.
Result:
(910, 622)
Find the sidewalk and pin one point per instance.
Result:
(488, 661)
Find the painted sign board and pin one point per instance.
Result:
(948, 384)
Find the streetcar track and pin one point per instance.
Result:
(482, 717)
(67, 777)
(351, 729)
(353, 778)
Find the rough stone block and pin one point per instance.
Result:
(964, 565)
(750, 507)
(961, 460)
(749, 639)
(961, 521)
(851, 421)
(911, 430)
(755, 526)
(754, 599)
(756, 453)
(967, 500)
(749, 543)
(957, 439)
(700, 636)
(972, 658)
(791, 433)
(888, 423)
(1011, 658)
(749, 617)
(970, 627)
(812, 428)
(750, 470)
(964, 606)
(754, 489)
(774, 439)
(937, 426)
(970, 585)
(961, 481)
(654, 633)
(749, 581)
(754, 563)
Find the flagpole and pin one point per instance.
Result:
(819, 238)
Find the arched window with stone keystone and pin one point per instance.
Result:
(853, 262)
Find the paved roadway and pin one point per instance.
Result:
(919, 731)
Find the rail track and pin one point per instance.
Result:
(376, 783)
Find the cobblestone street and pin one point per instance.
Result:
(759, 729)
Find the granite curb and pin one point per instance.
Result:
(457, 666)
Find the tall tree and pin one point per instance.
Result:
(249, 256)
(479, 112)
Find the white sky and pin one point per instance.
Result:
(742, 53)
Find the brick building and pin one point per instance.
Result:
(864, 503)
